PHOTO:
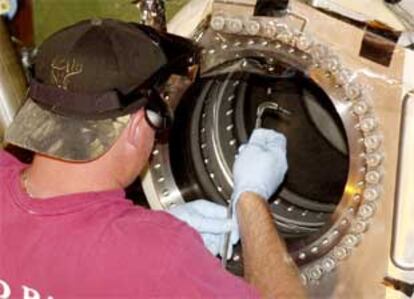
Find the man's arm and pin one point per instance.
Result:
(267, 265)
(258, 171)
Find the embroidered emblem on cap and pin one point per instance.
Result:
(63, 69)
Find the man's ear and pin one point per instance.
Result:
(135, 127)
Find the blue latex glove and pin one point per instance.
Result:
(261, 165)
(211, 222)
(12, 9)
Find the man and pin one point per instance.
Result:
(66, 230)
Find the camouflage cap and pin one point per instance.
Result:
(73, 111)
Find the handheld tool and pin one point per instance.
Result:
(258, 124)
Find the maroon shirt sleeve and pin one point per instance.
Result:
(8, 160)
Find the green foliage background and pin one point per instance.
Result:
(52, 15)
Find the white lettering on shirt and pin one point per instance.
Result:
(6, 290)
(28, 292)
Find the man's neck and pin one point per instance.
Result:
(48, 177)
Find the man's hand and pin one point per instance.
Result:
(261, 164)
(210, 220)
(258, 171)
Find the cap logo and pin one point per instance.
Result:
(63, 69)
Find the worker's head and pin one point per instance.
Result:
(96, 93)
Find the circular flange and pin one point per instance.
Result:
(321, 252)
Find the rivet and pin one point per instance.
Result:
(315, 273)
(352, 91)
(269, 91)
(217, 23)
(303, 43)
(356, 198)
(269, 29)
(343, 76)
(229, 112)
(372, 142)
(373, 177)
(366, 211)
(360, 227)
(340, 253)
(371, 194)
(360, 108)
(161, 179)
(351, 240)
(252, 27)
(328, 264)
(373, 160)
(155, 152)
(368, 124)
(302, 256)
(235, 25)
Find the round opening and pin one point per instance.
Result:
(218, 114)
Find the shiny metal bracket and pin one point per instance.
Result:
(402, 253)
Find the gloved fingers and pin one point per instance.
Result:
(213, 225)
(268, 138)
(241, 148)
(209, 209)
(212, 243)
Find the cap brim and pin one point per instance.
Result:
(45, 132)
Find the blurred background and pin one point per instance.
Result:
(37, 19)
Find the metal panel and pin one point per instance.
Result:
(403, 231)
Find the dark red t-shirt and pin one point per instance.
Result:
(99, 245)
